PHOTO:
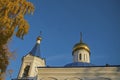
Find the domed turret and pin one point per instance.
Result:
(31, 62)
(81, 52)
(81, 55)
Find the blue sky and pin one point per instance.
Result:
(61, 22)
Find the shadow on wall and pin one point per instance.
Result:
(118, 69)
(49, 78)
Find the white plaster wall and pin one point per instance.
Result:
(37, 62)
(88, 73)
(34, 62)
(84, 54)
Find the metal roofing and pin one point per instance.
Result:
(36, 50)
(78, 64)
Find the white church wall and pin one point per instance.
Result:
(88, 73)
(33, 62)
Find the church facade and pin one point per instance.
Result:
(34, 67)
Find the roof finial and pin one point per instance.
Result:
(40, 33)
(81, 37)
(39, 38)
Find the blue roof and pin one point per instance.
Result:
(36, 50)
(78, 64)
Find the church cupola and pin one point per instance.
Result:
(31, 61)
(36, 49)
(81, 52)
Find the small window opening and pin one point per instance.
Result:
(80, 56)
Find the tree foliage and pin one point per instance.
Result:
(12, 21)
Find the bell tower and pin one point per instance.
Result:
(31, 61)
(81, 52)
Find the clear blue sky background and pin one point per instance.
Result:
(61, 22)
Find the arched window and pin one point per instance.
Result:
(26, 70)
(80, 56)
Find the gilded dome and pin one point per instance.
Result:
(39, 38)
(79, 46)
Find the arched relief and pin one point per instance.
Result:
(101, 79)
(98, 78)
(74, 78)
(49, 78)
